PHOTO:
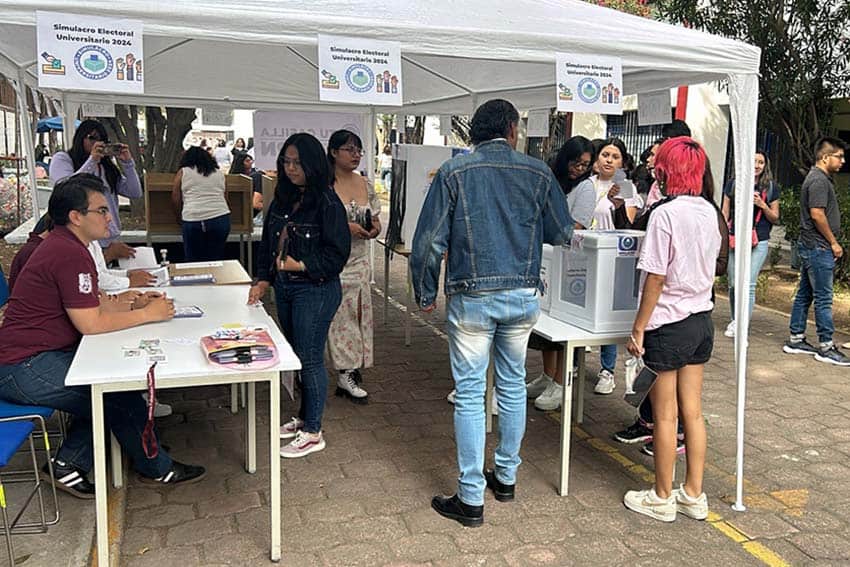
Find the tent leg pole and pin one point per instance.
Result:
(26, 134)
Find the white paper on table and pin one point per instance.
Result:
(144, 259)
(161, 275)
(192, 265)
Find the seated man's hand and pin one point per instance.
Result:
(160, 309)
(144, 299)
(118, 250)
(141, 278)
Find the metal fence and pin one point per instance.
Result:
(637, 138)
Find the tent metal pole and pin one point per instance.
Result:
(369, 134)
(27, 135)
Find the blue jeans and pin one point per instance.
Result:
(476, 321)
(816, 265)
(305, 310)
(759, 256)
(40, 381)
(608, 357)
(205, 240)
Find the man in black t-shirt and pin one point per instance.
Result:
(820, 223)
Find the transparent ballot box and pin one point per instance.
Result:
(594, 280)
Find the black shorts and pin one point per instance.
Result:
(673, 346)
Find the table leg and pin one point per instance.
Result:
(582, 374)
(274, 452)
(234, 398)
(243, 392)
(250, 250)
(251, 429)
(409, 315)
(566, 420)
(488, 396)
(117, 463)
(241, 249)
(386, 283)
(100, 495)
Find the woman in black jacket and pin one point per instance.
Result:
(305, 245)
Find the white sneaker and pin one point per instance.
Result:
(451, 397)
(696, 508)
(604, 382)
(551, 397)
(537, 386)
(648, 503)
(303, 444)
(290, 428)
(346, 386)
(730, 330)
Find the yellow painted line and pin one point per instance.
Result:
(601, 445)
(622, 459)
(729, 531)
(765, 555)
(2, 497)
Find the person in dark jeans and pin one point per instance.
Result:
(820, 225)
(198, 197)
(305, 245)
(54, 302)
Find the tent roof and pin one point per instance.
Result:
(455, 53)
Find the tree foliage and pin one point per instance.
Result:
(636, 7)
(805, 61)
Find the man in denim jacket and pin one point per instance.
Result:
(492, 210)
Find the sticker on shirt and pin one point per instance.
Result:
(627, 247)
(85, 284)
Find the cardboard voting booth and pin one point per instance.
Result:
(597, 283)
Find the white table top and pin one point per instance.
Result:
(100, 358)
(20, 234)
(559, 332)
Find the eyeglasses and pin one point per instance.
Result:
(838, 156)
(353, 150)
(102, 211)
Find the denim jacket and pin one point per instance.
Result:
(492, 210)
(318, 236)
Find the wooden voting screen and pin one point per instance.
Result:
(160, 217)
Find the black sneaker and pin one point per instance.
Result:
(502, 492)
(799, 347)
(454, 509)
(179, 473)
(635, 433)
(649, 449)
(833, 356)
(70, 479)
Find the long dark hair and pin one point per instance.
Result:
(628, 161)
(570, 152)
(79, 155)
(316, 169)
(238, 164)
(200, 160)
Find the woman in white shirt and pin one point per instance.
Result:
(198, 197)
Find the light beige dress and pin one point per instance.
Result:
(350, 336)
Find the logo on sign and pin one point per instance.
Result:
(627, 246)
(589, 90)
(93, 62)
(359, 78)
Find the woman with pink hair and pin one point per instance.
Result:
(673, 330)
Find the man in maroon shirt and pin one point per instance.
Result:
(55, 301)
(23, 255)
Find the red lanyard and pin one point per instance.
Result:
(149, 443)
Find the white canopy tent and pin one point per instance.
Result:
(455, 55)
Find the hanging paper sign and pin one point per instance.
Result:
(538, 124)
(654, 108)
(359, 70)
(91, 53)
(217, 115)
(445, 125)
(589, 83)
(99, 109)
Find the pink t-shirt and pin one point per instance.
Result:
(682, 243)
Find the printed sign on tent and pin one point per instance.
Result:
(99, 109)
(359, 70)
(589, 83)
(273, 127)
(654, 108)
(92, 53)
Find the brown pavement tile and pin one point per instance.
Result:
(329, 511)
(237, 549)
(366, 554)
(209, 487)
(161, 516)
(823, 546)
(423, 547)
(815, 521)
(137, 540)
(488, 538)
(188, 557)
(228, 504)
(544, 529)
(472, 560)
(143, 498)
(758, 525)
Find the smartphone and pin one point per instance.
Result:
(112, 149)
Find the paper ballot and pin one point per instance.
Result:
(627, 188)
(144, 259)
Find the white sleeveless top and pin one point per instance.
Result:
(203, 197)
